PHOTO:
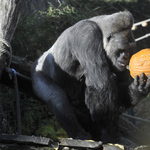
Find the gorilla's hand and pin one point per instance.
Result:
(142, 84)
(140, 88)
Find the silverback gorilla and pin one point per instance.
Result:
(83, 76)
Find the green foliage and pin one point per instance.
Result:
(51, 129)
(35, 34)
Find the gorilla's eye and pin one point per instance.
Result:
(109, 37)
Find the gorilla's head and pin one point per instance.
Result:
(118, 40)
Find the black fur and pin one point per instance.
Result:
(83, 76)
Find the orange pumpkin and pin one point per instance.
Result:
(140, 63)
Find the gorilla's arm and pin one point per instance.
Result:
(101, 89)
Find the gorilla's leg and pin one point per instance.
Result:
(57, 100)
(95, 131)
(101, 133)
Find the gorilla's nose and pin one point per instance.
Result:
(126, 56)
(131, 45)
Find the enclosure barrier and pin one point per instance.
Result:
(144, 24)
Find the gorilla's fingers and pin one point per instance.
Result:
(136, 80)
(142, 78)
(148, 83)
(141, 82)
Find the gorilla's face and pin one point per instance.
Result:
(118, 40)
(119, 48)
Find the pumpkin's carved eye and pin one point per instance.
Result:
(140, 63)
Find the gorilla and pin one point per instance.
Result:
(84, 80)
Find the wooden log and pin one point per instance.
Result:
(114, 147)
(73, 143)
(10, 12)
(21, 65)
(24, 139)
(122, 147)
(143, 147)
(17, 146)
(24, 84)
(23, 142)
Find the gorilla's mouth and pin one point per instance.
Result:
(123, 64)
